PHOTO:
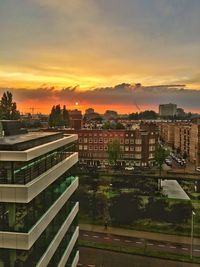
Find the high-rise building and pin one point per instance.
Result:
(167, 110)
(38, 211)
(75, 119)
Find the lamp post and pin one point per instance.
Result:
(192, 234)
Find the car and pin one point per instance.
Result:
(129, 168)
(198, 169)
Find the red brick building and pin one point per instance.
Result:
(137, 146)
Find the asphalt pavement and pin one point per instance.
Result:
(107, 238)
(90, 257)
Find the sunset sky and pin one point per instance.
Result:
(94, 51)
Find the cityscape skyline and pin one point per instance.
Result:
(59, 44)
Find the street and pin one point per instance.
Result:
(90, 257)
(149, 244)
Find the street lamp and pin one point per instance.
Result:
(192, 234)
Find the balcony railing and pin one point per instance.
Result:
(27, 215)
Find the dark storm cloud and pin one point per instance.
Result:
(123, 94)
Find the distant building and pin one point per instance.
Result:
(137, 146)
(75, 119)
(110, 115)
(167, 110)
(89, 111)
(180, 112)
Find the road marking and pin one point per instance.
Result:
(106, 237)
(85, 235)
(162, 246)
(138, 242)
(116, 239)
(173, 247)
(80, 264)
(150, 244)
(197, 250)
(128, 241)
(184, 248)
(95, 236)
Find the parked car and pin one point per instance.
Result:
(198, 169)
(129, 168)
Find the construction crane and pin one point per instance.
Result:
(137, 85)
(32, 109)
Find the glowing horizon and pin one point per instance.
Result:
(89, 44)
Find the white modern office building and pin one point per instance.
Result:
(38, 210)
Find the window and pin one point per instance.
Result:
(105, 147)
(90, 147)
(126, 141)
(151, 148)
(152, 141)
(85, 140)
(151, 156)
(105, 140)
(122, 148)
(80, 147)
(95, 140)
(138, 141)
(126, 148)
(138, 149)
(85, 147)
(100, 140)
(100, 147)
(121, 141)
(90, 140)
(131, 141)
(80, 140)
(95, 147)
(131, 148)
(138, 156)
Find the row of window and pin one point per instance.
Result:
(122, 141)
(96, 156)
(105, 148)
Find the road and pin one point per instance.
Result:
(90, 257)
(138, 242)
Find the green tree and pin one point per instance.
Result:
(65, 116)
(58, 116)
(160, 155)
(157, 209)
(114, 151)
(125, 208)
(8, 108)
(180, 212)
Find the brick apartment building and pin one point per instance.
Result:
(137, 146)
(182, 136)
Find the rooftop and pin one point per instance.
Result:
(28, 140)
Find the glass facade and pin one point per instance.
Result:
(31, 257)
(62, 248)
(22, 217)
(24, 172)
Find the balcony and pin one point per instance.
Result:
(27, 215)
(25, 193)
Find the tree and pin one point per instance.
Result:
(125, 208)
(157, 209)
(65, 116)
(58, 116)
(114, 151)
(160, 155)
(180, 212)
(8, 108)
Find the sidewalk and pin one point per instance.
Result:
(140, 234)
